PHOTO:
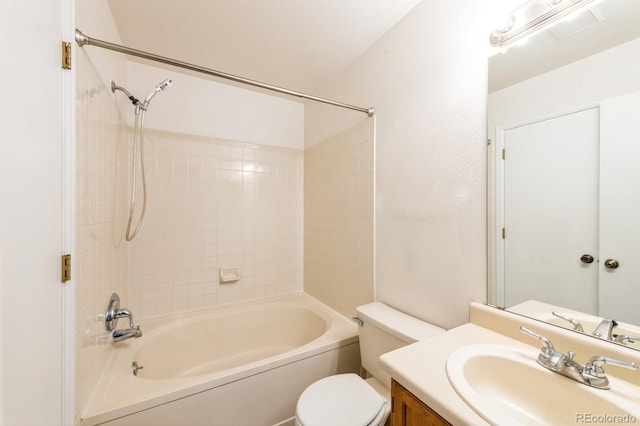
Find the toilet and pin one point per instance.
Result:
(347, 399)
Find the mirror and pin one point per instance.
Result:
(563, 207)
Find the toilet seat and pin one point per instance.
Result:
(339, 400)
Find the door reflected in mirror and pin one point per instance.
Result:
(563, 167)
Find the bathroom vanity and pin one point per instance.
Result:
(408, 410)
(486, 372)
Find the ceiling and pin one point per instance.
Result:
(547, 50)
(296, 44)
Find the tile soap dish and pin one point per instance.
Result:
(229, 275)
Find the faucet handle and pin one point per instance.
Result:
(125, 313)
(548, 346)
(576, 325)
(594, 366)
(110, 315)
(624, 338)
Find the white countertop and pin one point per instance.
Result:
(420, 368)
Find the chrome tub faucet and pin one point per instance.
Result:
(111, 316)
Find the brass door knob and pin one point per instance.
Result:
(586, 258)
(611, 264)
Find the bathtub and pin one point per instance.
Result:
(243, 364)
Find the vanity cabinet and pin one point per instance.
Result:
(407, 410)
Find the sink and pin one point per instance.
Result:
(506, 386)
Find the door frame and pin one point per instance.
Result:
(498, 188)
(68, 223)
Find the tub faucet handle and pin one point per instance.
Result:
(111, 316)
(125, 313)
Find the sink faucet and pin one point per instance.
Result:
(592, 374)
(111, 317)
(604, 330)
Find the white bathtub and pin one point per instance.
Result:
(243, 364)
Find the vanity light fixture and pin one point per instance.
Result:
(532, 16)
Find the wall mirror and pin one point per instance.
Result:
(564, 174)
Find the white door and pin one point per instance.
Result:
(551, 211)
(31, 136)
(620, 208)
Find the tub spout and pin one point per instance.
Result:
(128, 333)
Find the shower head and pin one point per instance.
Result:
(165, 84)
(161, 86)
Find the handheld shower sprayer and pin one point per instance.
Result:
(160, 87)
(135, 101)
(138, 158)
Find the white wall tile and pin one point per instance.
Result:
(207, 213)
(338, 226)
(100, 250)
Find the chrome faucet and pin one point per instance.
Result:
(111, 317)
(592, 374)
(604, 330)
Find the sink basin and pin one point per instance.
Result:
(506, 386)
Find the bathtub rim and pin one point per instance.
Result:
(118, 393)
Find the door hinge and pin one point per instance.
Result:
(503, 154)
(65, 268)
(66, 55)
(504, 233)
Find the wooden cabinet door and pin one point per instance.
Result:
(407, 410)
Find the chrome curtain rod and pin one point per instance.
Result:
(83, 39)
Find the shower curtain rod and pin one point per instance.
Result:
(83, 40)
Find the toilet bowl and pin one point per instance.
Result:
(347, 399)
(343, 399)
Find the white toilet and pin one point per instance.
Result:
(347, 399)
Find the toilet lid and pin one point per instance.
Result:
(344, 399)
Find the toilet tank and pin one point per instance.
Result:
(385, 329)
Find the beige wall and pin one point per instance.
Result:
(338, 219)
(427, 80)
(213, 204)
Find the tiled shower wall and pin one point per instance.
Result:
(100, 262)
(216, 204)
(338, 220)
